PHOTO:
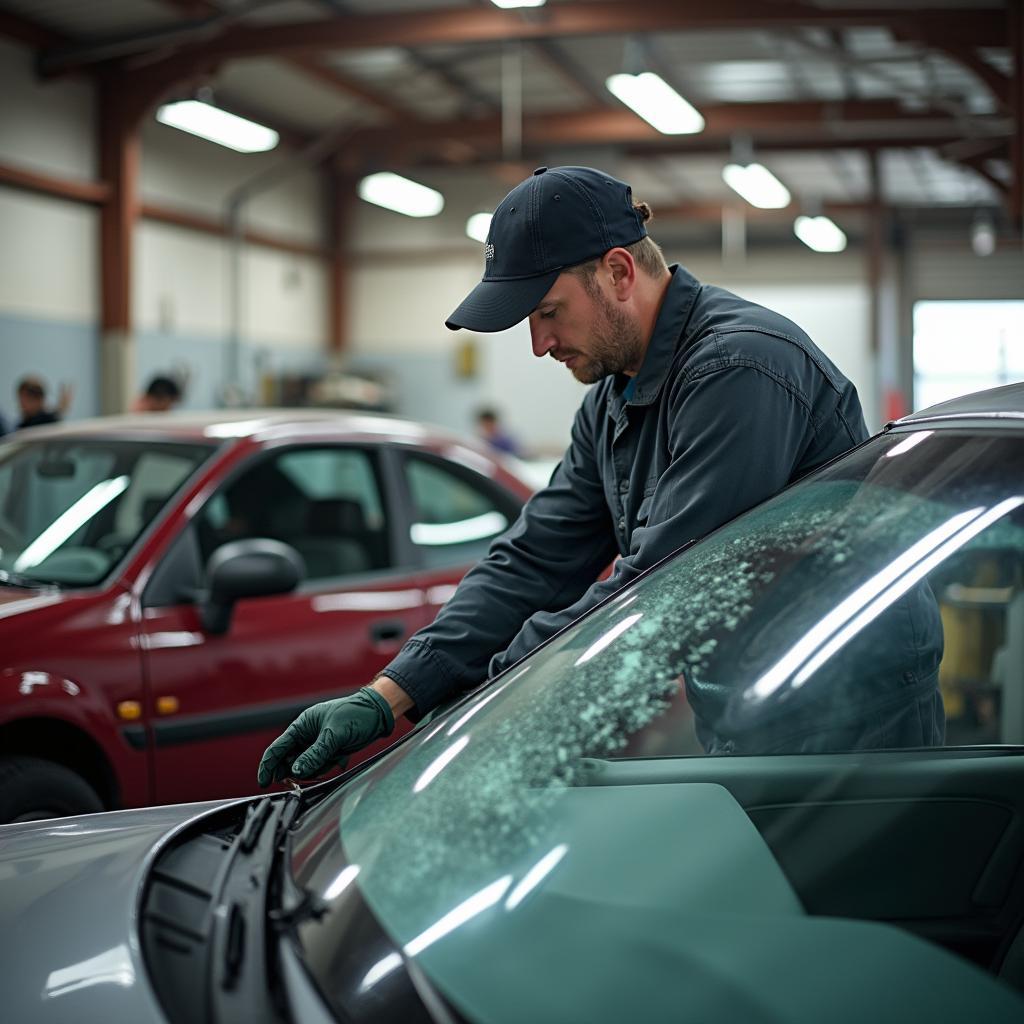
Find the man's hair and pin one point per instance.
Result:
(31, 386)
(164, 387)
(487, 413)
(646, 254)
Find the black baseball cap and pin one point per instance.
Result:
(558, 218)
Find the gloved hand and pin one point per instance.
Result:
(331, 731)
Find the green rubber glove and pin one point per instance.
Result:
(324, 735)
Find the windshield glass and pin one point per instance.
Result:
(71, 508)
(823, 621)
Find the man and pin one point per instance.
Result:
(32, 403)
(493, 433)
(704, 404)
(161, 395)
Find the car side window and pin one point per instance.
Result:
(980, 594)
(454, 517)
(325, 502)
(155, 477)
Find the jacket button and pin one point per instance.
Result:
(622, 524)
(623, 487)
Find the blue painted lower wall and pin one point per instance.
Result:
(204, 362)
(60, 353)
(68, 353)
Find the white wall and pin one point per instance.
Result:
(183, 285)
(45, 126)
(48, 258)
(190, 174)
(49, 248)
(49, 252)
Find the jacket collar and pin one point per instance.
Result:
(668, 331)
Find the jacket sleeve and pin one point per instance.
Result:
(546, 560)
(736, 436)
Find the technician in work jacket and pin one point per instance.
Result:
(733, 402)
(730, 404)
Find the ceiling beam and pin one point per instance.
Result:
(94, 192)
(31, 33)
(313, 67)
(965, 54)
(351, 87)
(709, 210)
(878, 120)
(460, 25)
(1017, 106)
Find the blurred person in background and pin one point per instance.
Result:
(490, 430)
(161, 395)
(32, 403)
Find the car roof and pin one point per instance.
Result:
(997, 403)
(259, 424)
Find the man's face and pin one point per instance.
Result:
(30, 401)
(585, 329)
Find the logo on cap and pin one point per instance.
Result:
(488, 252)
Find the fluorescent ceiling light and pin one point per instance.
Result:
(478, 225)
(656, 102)
(507, 4)
(394, 192)
(756, 184)
(216, 125)
(820, 233)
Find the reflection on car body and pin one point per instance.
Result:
(556, 845)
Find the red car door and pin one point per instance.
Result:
(216, 701)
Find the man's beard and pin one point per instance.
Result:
(616, 345)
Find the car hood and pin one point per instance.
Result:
(69, 914)
(20, 599)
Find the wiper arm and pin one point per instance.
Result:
(297, 904)
(14, 579)
(240, 915)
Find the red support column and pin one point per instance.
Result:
(874, 251)
(1016, 25)
(119, 150)
(341, 202)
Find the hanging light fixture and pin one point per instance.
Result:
(757, 185)
(478, 225)
(394, 192)
(650, 96)
(216, 125)
(983, 234)
(820, 233)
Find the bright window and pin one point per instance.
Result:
(960, 347)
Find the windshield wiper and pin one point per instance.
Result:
(242, 911)
(14, 579)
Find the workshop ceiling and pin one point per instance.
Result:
(828, 93)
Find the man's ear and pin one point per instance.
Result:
(621, 270)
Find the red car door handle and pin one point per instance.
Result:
(390, 629)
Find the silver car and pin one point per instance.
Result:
(779, 778)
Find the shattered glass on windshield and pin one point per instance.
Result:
(808, 625)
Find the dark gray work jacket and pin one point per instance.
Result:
(732, 403)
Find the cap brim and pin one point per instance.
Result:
(498, 305)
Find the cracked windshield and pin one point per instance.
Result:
(843, 615)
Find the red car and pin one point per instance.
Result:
(175, 589)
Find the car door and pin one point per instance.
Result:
(216, 701)
(454, 513)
